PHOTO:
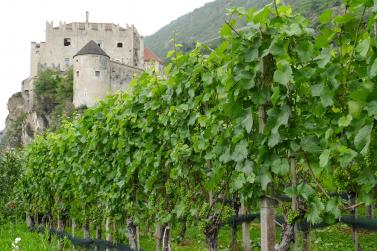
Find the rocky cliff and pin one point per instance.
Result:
(42, 102)
(22, 122)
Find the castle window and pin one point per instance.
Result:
(94, 27)
(38, 46)
(81, 26)
(77, 73)
(120, 45)
(98, 73)
(100, 44)
(108, 27)
(67, 41)
(66, 61)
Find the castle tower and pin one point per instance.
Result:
(91, 81)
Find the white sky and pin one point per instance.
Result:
(23, 21)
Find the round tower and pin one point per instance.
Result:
(91, 75)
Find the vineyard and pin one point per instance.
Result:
(279, 120)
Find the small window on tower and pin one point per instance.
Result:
(77, 73)
(120, 45)
(98, 73)
(67, 41)
(100, 44)
(66, 61)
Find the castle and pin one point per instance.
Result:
(104, 57)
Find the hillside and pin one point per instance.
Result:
(203, 23)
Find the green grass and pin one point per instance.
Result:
(30, 241)
(339, 237)
(195, 240)
(334, 238)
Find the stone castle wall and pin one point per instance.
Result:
(124, 45)
(96, 76)
(121, 75)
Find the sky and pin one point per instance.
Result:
(23, 21)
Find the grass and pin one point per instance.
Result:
(29, 241)
(339, 237)
(334, 238)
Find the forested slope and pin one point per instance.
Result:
(203, 23)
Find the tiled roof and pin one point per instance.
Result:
(150, 56)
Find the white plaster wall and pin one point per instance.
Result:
(87, 87)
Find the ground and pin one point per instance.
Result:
(334, 238)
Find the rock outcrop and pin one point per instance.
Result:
(16, 108)
(23, 121)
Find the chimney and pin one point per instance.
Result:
(87, 17)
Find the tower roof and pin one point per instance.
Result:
(91, 48)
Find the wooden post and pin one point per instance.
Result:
(158, 236)
(305, 243)
(109, 232)
(294, 200)
(73, 231)
(36, 220)
(132, 234)
(60, 228)
(267, 221)
(86, 230)
(98, 235)
(355, 235)
(369, 212)
(29, 220)
(267, 210)
(245, 230)
(138, 236)
(73, 227)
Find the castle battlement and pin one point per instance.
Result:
(122, 44)
(82, 26)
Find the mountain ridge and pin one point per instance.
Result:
(202, 23)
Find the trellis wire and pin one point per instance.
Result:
(83, 242)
